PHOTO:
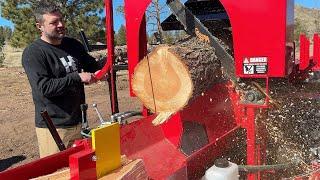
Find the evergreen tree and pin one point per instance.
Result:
(79, 14)
(121, 36)
(2, 39)
(5, 34)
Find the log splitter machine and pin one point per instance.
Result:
(263, 48)
(188, 143)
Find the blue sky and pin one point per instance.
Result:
(309, 3)
(118, 19)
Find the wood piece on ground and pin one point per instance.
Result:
(63, 174)
(133, 169)
(130, 169)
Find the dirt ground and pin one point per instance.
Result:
(18, 142)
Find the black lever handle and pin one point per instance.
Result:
(84, 108)
(53, 130)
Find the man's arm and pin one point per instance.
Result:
(40, 76)
(88, 63)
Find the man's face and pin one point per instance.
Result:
(52, 26)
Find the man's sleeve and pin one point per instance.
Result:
(41, 77)
(89, 63)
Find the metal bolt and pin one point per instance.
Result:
(94, 158)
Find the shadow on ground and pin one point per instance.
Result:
(6, 163)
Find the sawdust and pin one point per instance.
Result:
(295, 128)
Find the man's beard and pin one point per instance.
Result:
(57, 35)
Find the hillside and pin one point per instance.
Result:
(307, 19)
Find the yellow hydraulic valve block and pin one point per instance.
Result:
(106, 143)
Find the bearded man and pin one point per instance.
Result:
(57, 68)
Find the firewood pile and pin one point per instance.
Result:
(120, 53)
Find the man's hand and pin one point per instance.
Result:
(87, 78)
(104, 78)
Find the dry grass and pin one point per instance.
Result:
(309, 19)
(12, 56)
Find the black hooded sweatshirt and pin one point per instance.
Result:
(56, 85)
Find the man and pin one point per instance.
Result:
(57, 67)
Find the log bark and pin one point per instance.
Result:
(170, 77)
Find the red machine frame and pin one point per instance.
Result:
(244, 115)
(162, 147)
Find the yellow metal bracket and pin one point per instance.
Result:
(106, 143)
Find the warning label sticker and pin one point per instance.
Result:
(255, 65)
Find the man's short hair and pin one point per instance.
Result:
(44, 7)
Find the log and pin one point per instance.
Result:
(170, 77)
(62, 174)
(133, 169)
(130, 169)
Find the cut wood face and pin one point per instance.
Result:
(162, 81)
(166, 82)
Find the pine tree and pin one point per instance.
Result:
(5, 34)
(121, 36)
(79, 14)
(2, 39)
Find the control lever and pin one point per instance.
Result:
(84, 108)
(102, 122)
(122, 116)
(53, 130)
(85, 130)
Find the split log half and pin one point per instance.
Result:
(170, 77)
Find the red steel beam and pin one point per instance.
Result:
(304, 52)
(43, 166)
